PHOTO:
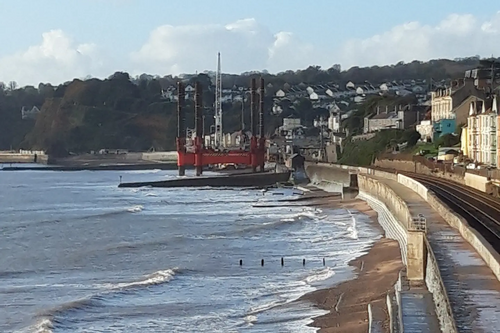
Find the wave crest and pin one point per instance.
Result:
(47, 320)
(155, 278)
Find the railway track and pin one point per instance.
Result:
(481, 211)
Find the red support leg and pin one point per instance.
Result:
(262, 153)
(198, 158)
(254, 153)
(181, 161)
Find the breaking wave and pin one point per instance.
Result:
(352, 228)
(48, 320)
(135, 209)
(320, 275)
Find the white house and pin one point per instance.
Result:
(425, 130)
(482, 131)
(334, 121)
(29, 114)
(359, 99)
(277, 109)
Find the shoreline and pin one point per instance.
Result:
(101, 167)
(375, 272)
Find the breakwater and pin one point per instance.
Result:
(229, 180)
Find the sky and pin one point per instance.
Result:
(58, 40)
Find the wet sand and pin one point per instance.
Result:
(376, 273)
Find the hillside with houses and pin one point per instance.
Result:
(315, 109)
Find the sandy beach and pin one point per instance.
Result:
(376, 273)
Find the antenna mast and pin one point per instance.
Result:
(218, 105)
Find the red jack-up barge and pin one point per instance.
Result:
(199, 156)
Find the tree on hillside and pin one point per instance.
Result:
(12, 85)
(121, 112)
(447, 140)
(120, 76)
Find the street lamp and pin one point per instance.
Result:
(321, 123)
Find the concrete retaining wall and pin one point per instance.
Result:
(133, 156)
(393, 229)
(414, 185)
(396, 205)
(160, 156)
(435, 285)
(323, 172)
(478, 182)
(23, 158)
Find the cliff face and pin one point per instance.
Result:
(98, 114)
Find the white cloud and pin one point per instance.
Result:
(56, 59)
(455, 36)
(244, 45)
(248, 45)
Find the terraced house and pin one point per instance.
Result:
(450, 106)
(483, 132)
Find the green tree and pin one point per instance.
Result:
(447, 140)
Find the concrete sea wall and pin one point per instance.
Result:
(435, 285)
(170, 156)
(23, 158)
(394, 217)
(328, 173)
(396, 205)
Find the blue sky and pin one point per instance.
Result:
(132, 35)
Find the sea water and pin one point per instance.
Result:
(80, 254)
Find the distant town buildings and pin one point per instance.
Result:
(469, 105)
(450, 106)
(401, 117)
